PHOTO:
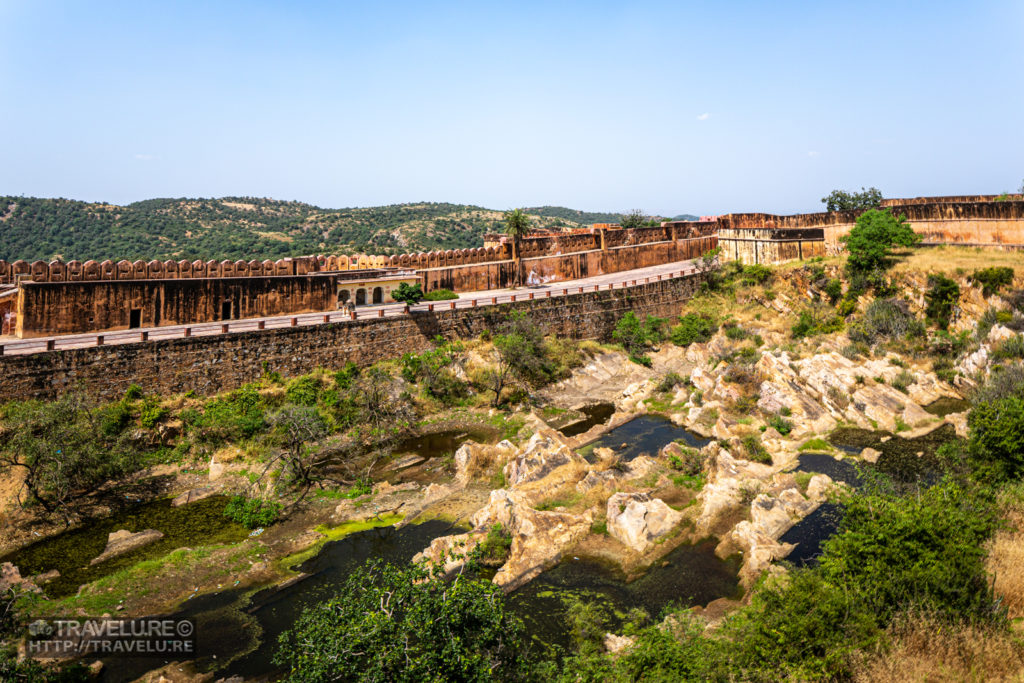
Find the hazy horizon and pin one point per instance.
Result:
(601, 107)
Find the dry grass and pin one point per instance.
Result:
(1006, 553)
(949, 259)
(927, 649)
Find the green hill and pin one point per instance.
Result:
(247, 227)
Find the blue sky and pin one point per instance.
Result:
(669, 107)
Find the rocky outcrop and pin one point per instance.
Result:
(124, 541)
(770, 518)
(639, 521)
(476, 459)
(539, 538)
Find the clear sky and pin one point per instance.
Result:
(670, 107)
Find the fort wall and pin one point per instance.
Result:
(216, 363)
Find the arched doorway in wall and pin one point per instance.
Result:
(378, 295)
(361, 297)
(343, 297)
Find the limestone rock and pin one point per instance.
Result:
(870, 455)
(216, 469)
(193, 495)
(539, 538)
(637, 520)
(615, 643)
(10, 576)
(404, 462)
(543, 454)
(819, 487)
(124, 541)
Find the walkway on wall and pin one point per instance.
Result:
(628, 278)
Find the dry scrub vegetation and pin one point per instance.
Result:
(1006, 554)
(923, 648)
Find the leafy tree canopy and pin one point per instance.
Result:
(871, 240)
(840, 200)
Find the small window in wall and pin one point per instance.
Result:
(378, 295)
(225, 310)
(134, 318)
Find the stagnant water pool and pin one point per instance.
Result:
(644, 435)
(199, 523)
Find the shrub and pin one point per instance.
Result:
(252, 512)
(993, 279)
(303, 391)
(114, 418)
(343, 378)
(780, 424)
(441, 294)
(238, 415)
(756, 274)
(670, 381)
(495, 546)
(734, 332)
(903, 380)
(885, 319)
(689, 461)
(692, 328)
(637, 336)
(1011, 347)
(133, 392)
(923, 550)
(1001, 383)
(152, 412)
(834, 290)
(941, 296)
(942, 343)
(405, 623)
(997, 436)
(846, 307)
(814, 321)
(756, 451)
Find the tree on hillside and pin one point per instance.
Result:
(840, 200)
(634, 219)
(871, 240)
(517, 225)
(65, 449)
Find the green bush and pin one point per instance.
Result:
(441, 294)
(240, 414)
(670, 381)
(495, 546)
(303, 391)
(152, 412)
(1011, 347)
(114, 418)
(993, 279)
(813, 321)
(885, 319)
(405, 624)
(941, 296)
(780, 424)
(755, 449)
(408, 294)
(997, 435)
(756, 274)
(903, 380)
(834, 290)
(133, 392)
(252, 512)
(923, 550)
(734, 332)
(692, 329)
(637, 336)
(343, 378)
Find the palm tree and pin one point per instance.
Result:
(517, 224)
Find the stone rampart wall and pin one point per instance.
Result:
(216, 363)
(771, 245)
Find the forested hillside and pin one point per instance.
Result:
(247, 227)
